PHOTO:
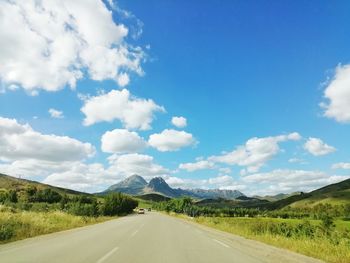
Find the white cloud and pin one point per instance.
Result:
(296, 160)
(200, 165)
(317, 147)
(122, 141)
(134, 163)
(56, 42)
(19, 142)
(56, 114)
(179, 122)
(171, 140)
(337, 94)
(225, 170)
(134, 113)
(223, 182)
(82, 177)
(286, 181)
(341, 166)
(256, 152)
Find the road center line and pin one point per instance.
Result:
(221, 243)
(133, 234)
(107, 255)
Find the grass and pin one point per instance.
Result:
(16, 225)
(334, 248)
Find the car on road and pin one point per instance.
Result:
(141, 211)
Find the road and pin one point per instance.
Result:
(152, 237)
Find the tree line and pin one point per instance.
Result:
(186, 205)
(32, 198)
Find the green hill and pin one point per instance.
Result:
(12, 183)
(153, 197)
(334, 194)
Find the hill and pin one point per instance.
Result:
(245, 202)
(276, 197)
(153, 197)
(335, 194)
(12, 183)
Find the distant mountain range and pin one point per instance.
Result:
(157, 189)
(137, 185)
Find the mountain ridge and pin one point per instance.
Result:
(158, 185)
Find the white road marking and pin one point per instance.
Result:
(221, 243)
(107, 255)
(133, 234)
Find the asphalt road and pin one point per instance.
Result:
(152, 237)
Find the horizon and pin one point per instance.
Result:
(248, 97)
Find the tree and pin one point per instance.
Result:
(118, 204)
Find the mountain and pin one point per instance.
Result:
(136, 185)
(158, 185)
(133, 185)
(12, 183)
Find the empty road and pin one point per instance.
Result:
(152, 237)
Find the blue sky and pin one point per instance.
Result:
(264, 88)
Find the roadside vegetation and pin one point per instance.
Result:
(30, 211)
(321, 231)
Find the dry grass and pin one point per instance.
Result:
(321, 247)
(23, 224)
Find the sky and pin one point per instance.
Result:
(244, 95)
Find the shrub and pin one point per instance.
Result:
(48, 196)
(7, 231)
(81, 209)
(118, 204)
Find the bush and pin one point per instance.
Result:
(7, 231)
(47, 196)
(81, 209)
(117, 204)
(12, 196)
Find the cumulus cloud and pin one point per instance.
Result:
(134, 113)
(56, 114)
(296, 160)
(57, 42)
(317, 147)
(171, 140)
(256, 152)
(179, 122)
(337, 94)
(286, 181)
(20, 141)
(82, 177)
(341, 166)
(134, 163)
(122, 141)
(200, 165)
(223, 182)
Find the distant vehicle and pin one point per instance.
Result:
(141, 211)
